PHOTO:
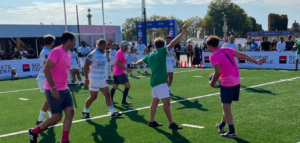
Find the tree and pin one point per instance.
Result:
(236, 18)
(194, 25)
(129, 28)
(277, 22)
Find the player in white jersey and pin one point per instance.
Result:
(129, 58)
(112, 55)
(74, 70)
(94, 70)
(141, 53)
(170, 65)
(49, 43)
(83, 51)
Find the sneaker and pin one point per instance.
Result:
(130, 74)
(146, 72)
(174, 126)
(82, 84)
(86, 115)
(229, 135)
(126, 104)
(154, 124)
(220, 130)
(116, 114)
(32, 137)
(38, 122)
(138, 71)
(114, 102)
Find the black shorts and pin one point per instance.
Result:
(120, 79)
(58, 105)
(128, 65)
(190, 54)
(229, 94)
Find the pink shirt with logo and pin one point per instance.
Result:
(60, 70)
(122, 57)
(230, 75)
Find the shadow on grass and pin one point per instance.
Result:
(134, 77)
(128, 96)
(239, 140)
(187, 104)
(74, 89)
(258, 90)
(49, 137)
(175, 137)
(108, 133)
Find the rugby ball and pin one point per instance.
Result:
(218, 83)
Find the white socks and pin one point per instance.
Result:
(41, 116)
(145, 67)
(111, 109)
(86, 109)
(49, 114)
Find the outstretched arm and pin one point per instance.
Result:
(248, 58)
(175, 41)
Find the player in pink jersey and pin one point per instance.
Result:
(57, 92)
(226, 70)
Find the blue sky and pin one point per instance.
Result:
(180, 8)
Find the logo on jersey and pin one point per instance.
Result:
(206, 59)
(282, 59)
(242, 61)
(26, 67)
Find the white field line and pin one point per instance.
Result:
(38, 88)
(147, 107)
(23, 99)
(193, 126)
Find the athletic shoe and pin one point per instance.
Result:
(130, 74)
(170, 92)
(229, 135)
(86, 115)
(138, 71)
(82, 84)
(115, 102)
(154, 124)
(66, 142)
(116, 114)
(220, 130)
(126, 104)
(38, 122)
(174, 126)
(146, 72)
(32, 137)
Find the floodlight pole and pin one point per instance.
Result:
(103, 20)
(66, 27)
(145, 19)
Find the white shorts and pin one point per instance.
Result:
(298, 56)
(74, 66)
(170, 68)
(95, 85)
(82, 61)
(112, 61)
(41, 84)
(161, 91)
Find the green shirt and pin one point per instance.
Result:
(157, 62)
(298, 47)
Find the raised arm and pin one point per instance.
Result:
(175, 41)
(248, 58)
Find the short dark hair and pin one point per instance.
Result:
(213, 41)
(49, 39)
(159, 43)
(169, 37)
(100, 42)
(67, 36)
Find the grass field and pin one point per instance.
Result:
(268, 111)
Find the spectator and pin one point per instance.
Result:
(254, 46)
(273, 45)
(289, 44)
(2, 56)
(231, 44)
(265, 45)
(31, 54)
(205, 48)
(190, 53)
(23, 53)
(247, 46)
(16, 55)
(150, 46)
(117, 47)
(177, 50)
(197, 56)
(239, 47)
(281, 45)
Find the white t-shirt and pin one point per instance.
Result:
(281, 46)
(231, 45)
(23, 52)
